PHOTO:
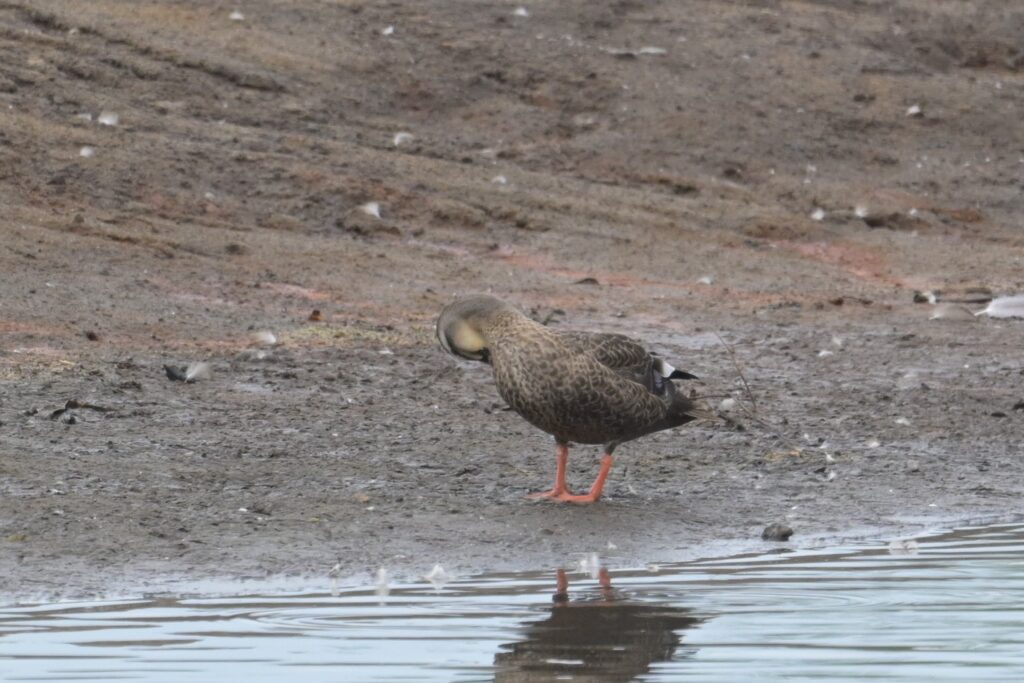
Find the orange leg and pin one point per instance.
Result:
(559, 492)
(559, 489)
(561, 595)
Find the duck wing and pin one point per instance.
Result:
(627, 358)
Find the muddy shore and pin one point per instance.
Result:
(755, 185)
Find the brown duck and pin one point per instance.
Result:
(580, 387)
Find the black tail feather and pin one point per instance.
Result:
(679, 374)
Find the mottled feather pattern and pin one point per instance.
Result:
(581, 387)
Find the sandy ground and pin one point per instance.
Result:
(654, 168)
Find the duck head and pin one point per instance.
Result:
(462, 326)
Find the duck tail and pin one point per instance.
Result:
(685, 409)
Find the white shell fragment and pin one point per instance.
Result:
(705, 280)
(86, 152)
(951, 312)
(874, 443)
(236, 16)
(500, 180)
(521, 12)
(1005, 307)
(371, 209)
(818, 214)
(108, 118)
(634, 52)
(266, 338)
(387, 30)
(197, 371)
(727, 405)
(402, 137)
(825, 353)
(860, 211)
(902, 421)
(915, 111)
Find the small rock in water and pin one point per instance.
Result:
(438, 577)
(86, 152)
(776, 532)
(236, 16)
(818, 215)
(382, 586)
(903, 546)
(402, 137)
(108, 118)
(591, 565)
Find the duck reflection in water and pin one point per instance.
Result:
(599, 636)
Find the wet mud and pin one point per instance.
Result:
(746, 186)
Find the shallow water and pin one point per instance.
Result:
(950, 609)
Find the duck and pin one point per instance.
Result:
(579, 387)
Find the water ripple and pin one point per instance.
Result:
(947, 609)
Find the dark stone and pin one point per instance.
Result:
(776, 532)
